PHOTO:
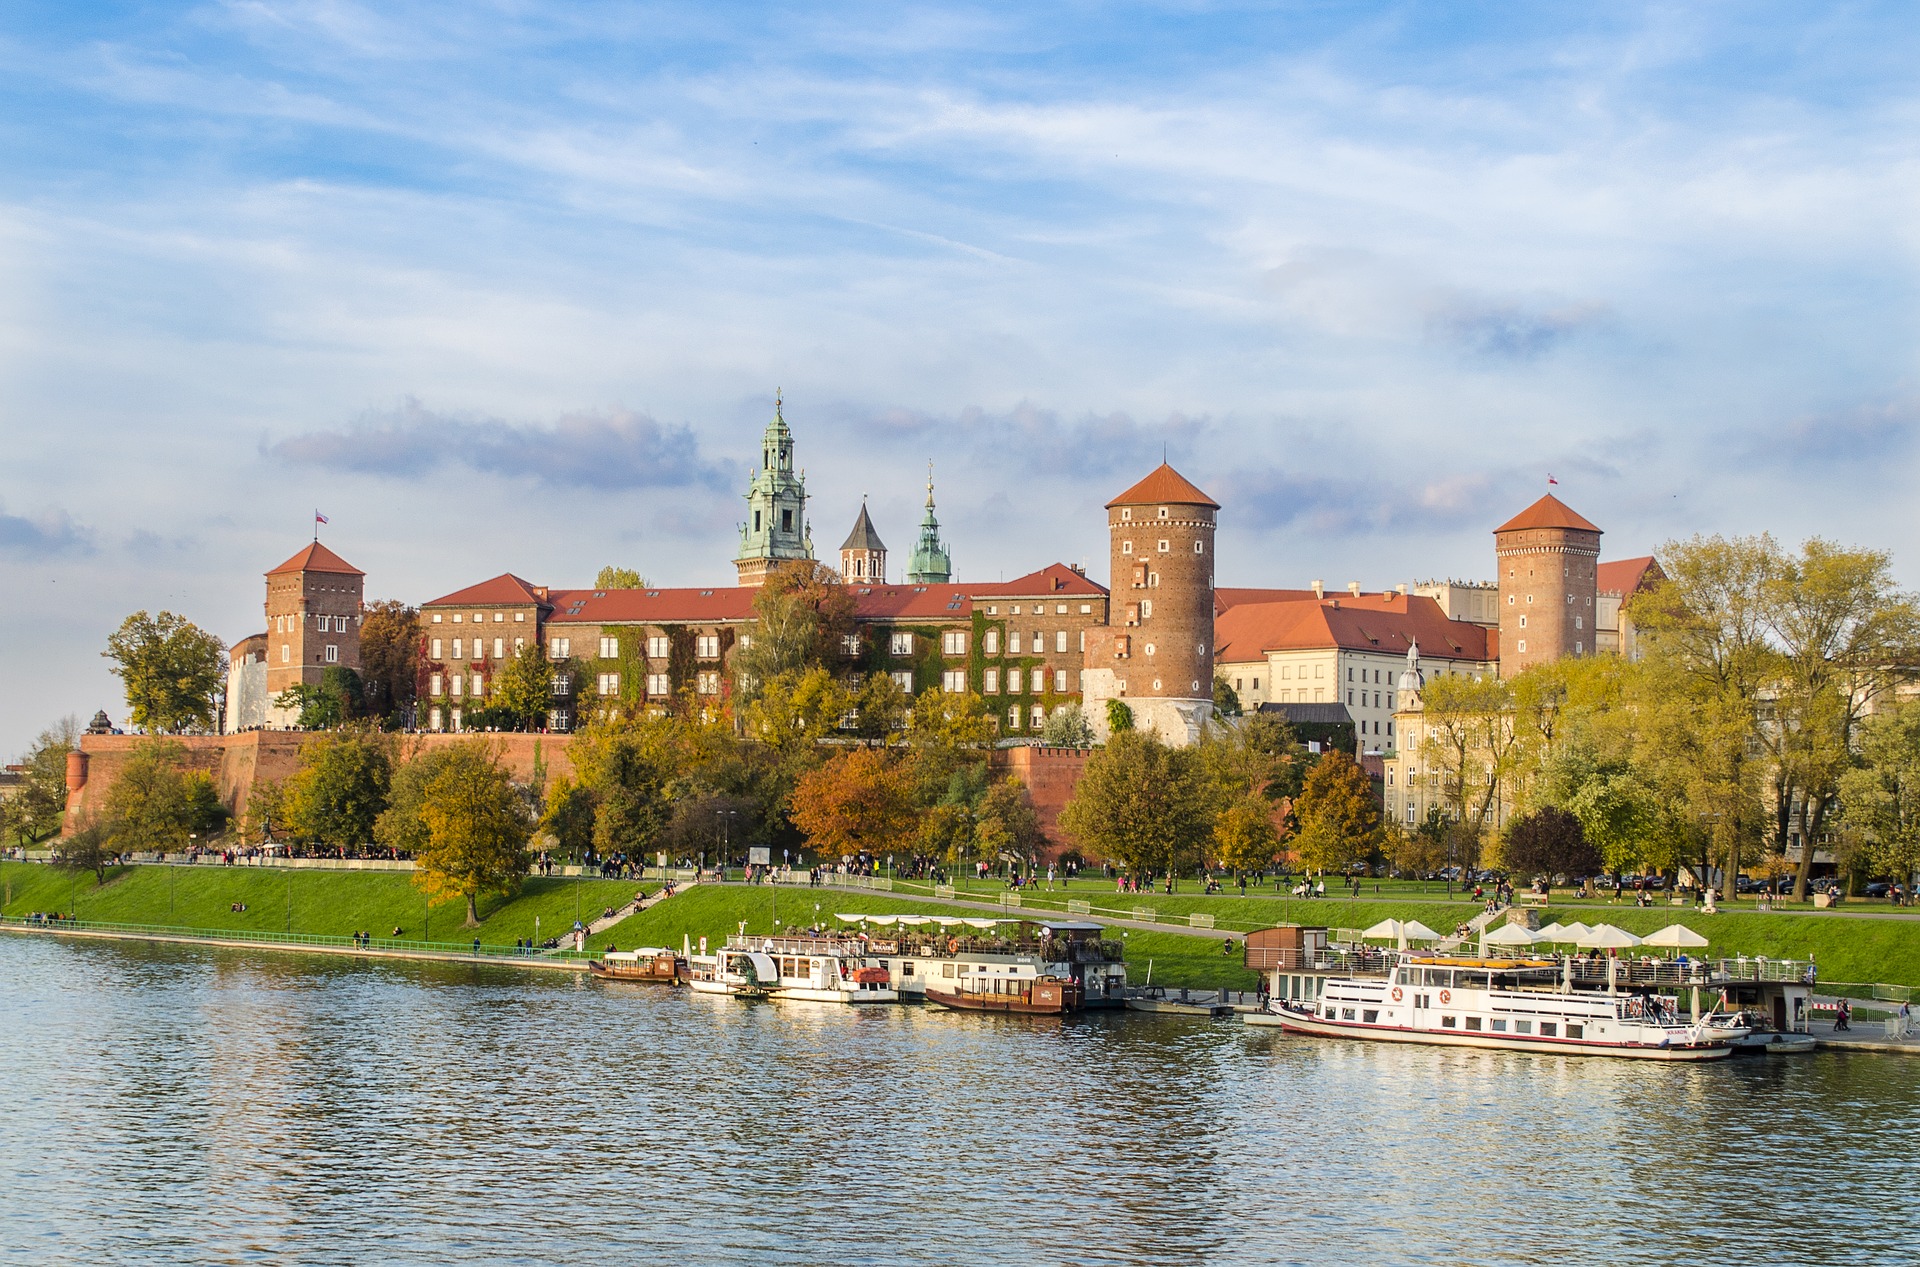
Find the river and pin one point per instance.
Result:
(178, 1104)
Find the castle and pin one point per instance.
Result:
(1046, 642)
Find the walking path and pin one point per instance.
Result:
(493, 955)
(634, 908)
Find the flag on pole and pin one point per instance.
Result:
(1550, 480)
(320, 518)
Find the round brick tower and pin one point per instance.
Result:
(1156, 653)
(1548, 555)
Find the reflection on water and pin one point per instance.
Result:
(170, 1103)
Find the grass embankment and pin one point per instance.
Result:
(715, 912)
(339, 903)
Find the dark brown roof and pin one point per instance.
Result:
(1548, 512)
(317, 558)
(864, 536)
(1163, 487)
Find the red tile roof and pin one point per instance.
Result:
(317, 558)
(719, 605)
(1627, 576)
(1548, 512)
(1378, 622)
(1230, 597)
(1164, 486)
(503, 590)
(1055, 578)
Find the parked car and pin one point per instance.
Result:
(1879, 888)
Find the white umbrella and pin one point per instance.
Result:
(1675, 936)
(1552, 932)
(1607, 937)
(1509, 935)
(1387, 930)
(1414, 930)
(1573, 932)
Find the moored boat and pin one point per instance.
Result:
(796, 969)
(1010, 992)
(1515, 1004)
(936, 957)
(649, 965)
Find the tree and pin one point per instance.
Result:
(1471, 741)
(155, 804)
(1226, 700)
(523, 689)
(1244, 837)
(1339, 818)
(1140, 804)
(333, 701)
(340, 790)
(801, 616)
(1067, 727)
(89, 849)
(1119, 716)
(715, 823)
(793, 711)
(476, 828)
(174, 671)
(1882, 799)
(618, 578)
(880, 709)
(949, 826)
(629, 769)
(569, 816)
(1549, 842)
(860, 801)
(949, 732)
(36, 810)
(1006, 826)
(390, 660)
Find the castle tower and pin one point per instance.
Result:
(930, 564)
(313, 622)
(776, 529)
(1156, 653)
(863, 556)
(1547, 556)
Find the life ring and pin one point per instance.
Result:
(953, 945)
(1396, 994)
(1446, 996)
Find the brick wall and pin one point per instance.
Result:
(1050, 775)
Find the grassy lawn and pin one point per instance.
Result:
(335, 902)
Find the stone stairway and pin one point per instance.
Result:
(605, 922)
(1475, 926)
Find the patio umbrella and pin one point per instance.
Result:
(1572, 933)
(1675, 936)
(1414, 930)
(1386, 930)
(1551, 933)
(1607, 937)
(1509, 935)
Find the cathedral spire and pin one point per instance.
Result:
(776, 529)
(930, 564)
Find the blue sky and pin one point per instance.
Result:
(509, 286)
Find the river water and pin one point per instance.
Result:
(175, 1104)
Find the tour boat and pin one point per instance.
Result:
(1516, 1004)
(808, 969)
(942, 958)
(654, 965)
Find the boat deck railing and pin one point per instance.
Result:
(1050, 950)
(1646, 970)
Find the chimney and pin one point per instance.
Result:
(1353, 588)
(1401, 589)
(1319, 588)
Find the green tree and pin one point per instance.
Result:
(801, 614)
(569, 816)
(949, 826)
(1339, 817)
(36, 810)
(89, 849)
(155, 804)
(1471, 741)
(1141, 804)
(174, 671)
(1119, 716)
(402, 826)
(390, 660)
(523, 689)
(1067, 727)
(1882, 799)
(1549, 842)
(1006, 825)
(714, 823)
(476, 827)
(333, 701)
(340, 790)
(1226, 700)
(949, 732)
(618, 578)
(630, 771)
(1244, 837)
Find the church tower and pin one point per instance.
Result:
(776, 530)
(1548, 557)
(863, 555)
(930, 564)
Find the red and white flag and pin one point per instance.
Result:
(320, 518)
(1550, 480)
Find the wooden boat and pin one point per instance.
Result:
(1029, 996)
(656, 966)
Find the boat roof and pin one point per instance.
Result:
(1071, 925)
(1445, 962)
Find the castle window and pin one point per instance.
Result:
(658, 685)
(499, 648)
(479, 685)
(456, 648)
(953, 681)
(333, 654)
(499, 618)
(1199, 547)
(557, 648)
(1086, 609)
(786, 521)
(1165, 545)
(433, 719)
(519, 618)
(1083, 640)
(1510, 600)
(993, 642)
(1060, 640)
(436, 618)
(456, 618)
(436, 648)
(756, 521)
(1579, 622)
(1163, 512)
(1126, 547)
(1149, 648)
(1060, 609)
(479, 618)
(609, 648)
(707, 646)
(992, 683)
(1039, 681)
(707, 683)
(1013, 643)
(325, 624)
(953, 642)
(1038, 717)
(903, 678)
(609, 684)
(458, 683)
(1523, 622)
(1529, 600)
(1319, 670)
(1060, 681)
(1523, 644)
(1578, 647)
(900, 644)
(1013, 718)
(1126, 512)
(479, 648)
(562, 684)
(657, 648)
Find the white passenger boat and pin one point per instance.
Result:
(999, 965)
(1517, 1004)
(808, 969)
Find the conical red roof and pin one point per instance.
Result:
(317, 558)
(1165, 486)
(1548, 512)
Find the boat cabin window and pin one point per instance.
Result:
(1548, 1029)
(1523, 1027)
(1499, 1025)
(1448, 1022)
(1346, 1013)
(1370, 1016)
(1470, 980)
(1440, 977)
(946, 969)
(1576, 1031)
(906, 967)
(1473, 1022)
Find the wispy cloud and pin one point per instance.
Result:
(1861, 436)
(1030, 437)
(606, 451)
(49, 534)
